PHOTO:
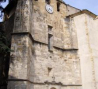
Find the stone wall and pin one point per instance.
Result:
(87, 35)
(59, 66)
(39, 67)
(71, 10)
(62, 33)
(32, 64)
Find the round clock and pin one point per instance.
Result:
(49, 9)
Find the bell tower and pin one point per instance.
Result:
(44, 53)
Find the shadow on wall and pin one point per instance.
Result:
(2, 75)
(27, 75)
(7, 27)
(18, 84)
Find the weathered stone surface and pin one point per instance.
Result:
(87, 34)
(65, 66)
(41, 20)
(71, 10)
(48, 86)
(17, 85)
(19, 57)
(34, 66)
(22, 16)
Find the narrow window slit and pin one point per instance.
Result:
(58, 6)
(50, 38)
(49, 70)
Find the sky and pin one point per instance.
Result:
(3, 4)
(91, 5)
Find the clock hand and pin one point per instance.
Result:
(49, 9)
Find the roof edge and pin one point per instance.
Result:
(73, 7)
(82, 12)
(67, 4)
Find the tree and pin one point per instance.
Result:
(4, 52)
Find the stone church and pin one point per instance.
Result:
(54, 46)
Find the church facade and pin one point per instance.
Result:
(54, 47)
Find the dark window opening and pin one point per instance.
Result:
(48, 1)
(58, 6)
(49, 29)
(50, 45)
(50, 38)
(53, 88)
(49, 70)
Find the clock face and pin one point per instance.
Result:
(49, 9)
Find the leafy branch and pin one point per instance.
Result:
(4, 49)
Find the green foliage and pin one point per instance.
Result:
(4, 49)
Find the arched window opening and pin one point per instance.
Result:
(53, 88)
